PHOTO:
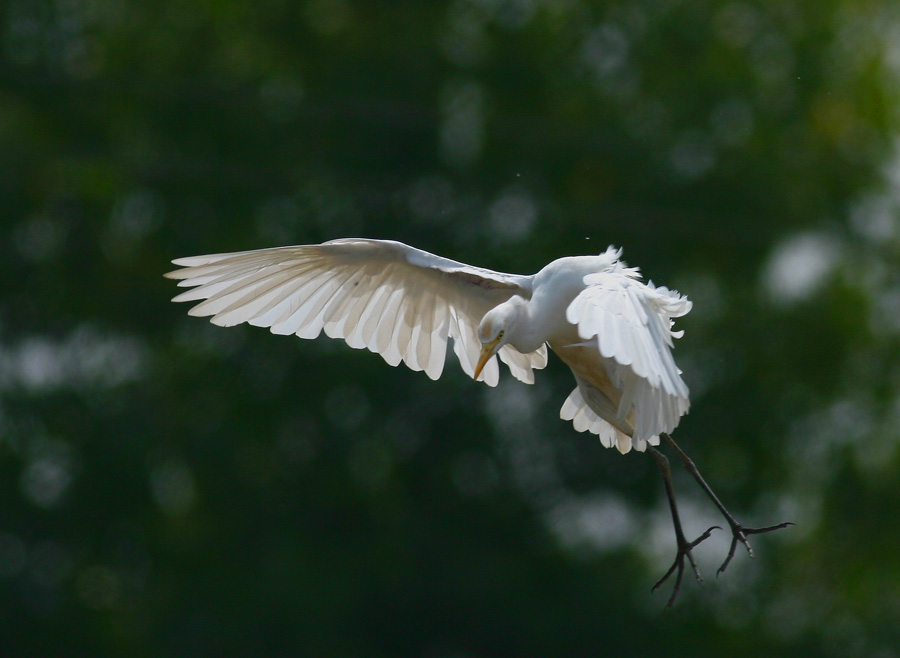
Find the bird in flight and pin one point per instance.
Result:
(612, 330)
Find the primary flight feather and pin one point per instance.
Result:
(610, 328)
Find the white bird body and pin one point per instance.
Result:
(613, 331)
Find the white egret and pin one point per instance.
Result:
(611, 329)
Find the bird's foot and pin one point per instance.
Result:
(739, 533)
(684, 552)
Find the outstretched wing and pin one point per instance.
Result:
(396, 301)
(631, 324)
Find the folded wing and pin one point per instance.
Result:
(394, 300)
(631, 325)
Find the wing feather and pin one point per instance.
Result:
(280, 305)
(630, 324)
(403, 332)
(438, 339)
(312, 311)
(585, 419)
(256, 300)
(426, 327)
(334, 315)
(386, 328)
(293, 316)
(361, 321)
(522, 366)
(467, 357)
(392, 299)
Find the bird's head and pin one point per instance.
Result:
(493, 332)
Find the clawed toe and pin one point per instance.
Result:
(739, 533)
(684, 551)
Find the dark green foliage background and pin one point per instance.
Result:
(170, 488)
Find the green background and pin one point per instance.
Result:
(171, 488)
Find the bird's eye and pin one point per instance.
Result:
(500, 335)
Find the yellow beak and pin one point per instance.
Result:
(487, 351)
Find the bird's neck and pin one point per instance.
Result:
(527, 332)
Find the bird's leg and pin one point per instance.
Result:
(684, 546)
(739, 532)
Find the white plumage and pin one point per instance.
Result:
(611, 329)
